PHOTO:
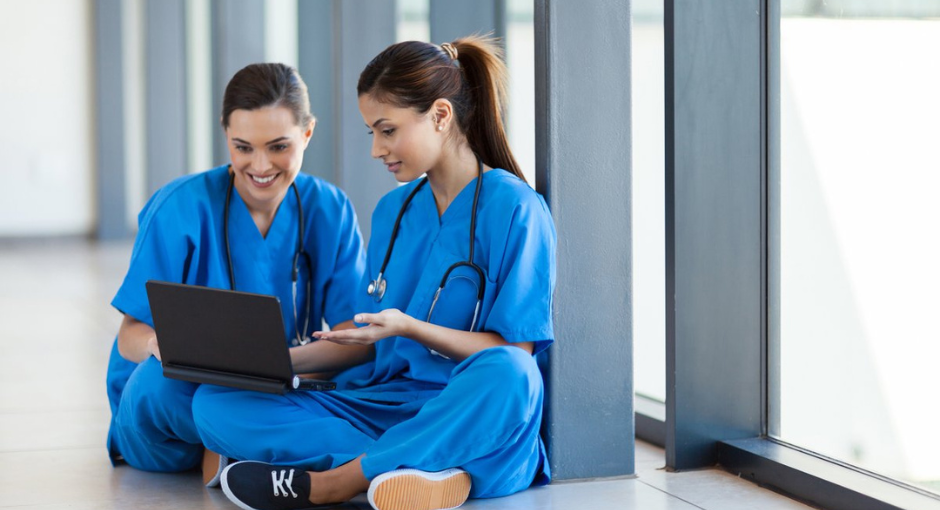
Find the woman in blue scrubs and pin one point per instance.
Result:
(455, 304)
(235, 226)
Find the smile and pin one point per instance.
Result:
(263, 180)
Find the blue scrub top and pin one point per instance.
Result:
(514, 245)
(181, 240)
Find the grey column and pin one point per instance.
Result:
(111, 136)
(362, 29)
(316, 66)
(166, 91)
(237, 40)
(450, 19)
(714, 225)
(583, 167)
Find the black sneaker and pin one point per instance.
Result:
(260, 486)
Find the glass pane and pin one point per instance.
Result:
(858, 253)
(648, 200)
(520, 59)
(413, 24)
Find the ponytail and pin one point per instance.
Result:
(469, 72)
(487, 80)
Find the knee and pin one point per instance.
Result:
(512, 374)
(511, 366)
(208, 403)
(148, 394)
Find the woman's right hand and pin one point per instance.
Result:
(137, 341)
(153, 347)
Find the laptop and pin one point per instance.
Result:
(224, 337)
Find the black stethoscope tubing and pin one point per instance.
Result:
(377, 287)
(298, 253)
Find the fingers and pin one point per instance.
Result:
(346, 336)
(366, 318)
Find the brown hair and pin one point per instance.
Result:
(259, 85)
(414, 74)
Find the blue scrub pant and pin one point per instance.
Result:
(485, 421)
(153, 426)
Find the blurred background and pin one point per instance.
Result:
(105, 101)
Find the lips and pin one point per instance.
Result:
(393, 167)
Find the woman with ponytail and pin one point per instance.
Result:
(455, 304)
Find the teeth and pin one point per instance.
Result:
(263, 180)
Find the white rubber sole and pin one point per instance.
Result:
(412, 489)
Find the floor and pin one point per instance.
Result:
(56, 329)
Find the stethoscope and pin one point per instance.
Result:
(298, 254)
(377, 287)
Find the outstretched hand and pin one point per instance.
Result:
(390, 322)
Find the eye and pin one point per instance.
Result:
(388, 132)
(244, 149)
(369, 132)
(280, 147)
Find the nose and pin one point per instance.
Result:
(378, 148)
(260, 161)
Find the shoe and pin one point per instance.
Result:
(212, 466)
(260, 486)
(411, 489)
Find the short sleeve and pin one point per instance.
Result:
(161, 251)
(522, 309)
(342, 285)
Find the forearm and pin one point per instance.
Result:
(136, 339)
(330, 357)
(455, 344)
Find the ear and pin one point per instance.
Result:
(442, 114)
(309, 131)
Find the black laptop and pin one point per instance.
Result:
(224, 337)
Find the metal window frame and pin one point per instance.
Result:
(731, 439)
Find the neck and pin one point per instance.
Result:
(261, 212)
(451, 175)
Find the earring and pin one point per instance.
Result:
(440, 128)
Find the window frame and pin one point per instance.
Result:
(736, 436)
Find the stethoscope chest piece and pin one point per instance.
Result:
(377, 288)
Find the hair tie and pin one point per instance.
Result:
(451, 51)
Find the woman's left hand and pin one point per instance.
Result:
(390, 322)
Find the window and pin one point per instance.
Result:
(857, 257)
(648, 197)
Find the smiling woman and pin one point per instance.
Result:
(205, 229)
(267, 149)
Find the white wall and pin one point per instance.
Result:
(46, 118)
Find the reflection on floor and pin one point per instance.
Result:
(56, 329)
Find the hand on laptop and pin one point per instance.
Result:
(153, 347)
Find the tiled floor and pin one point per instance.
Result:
(56, 330)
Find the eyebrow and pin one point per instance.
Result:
(376, 123)
(276, 140)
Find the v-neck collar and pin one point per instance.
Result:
(279, 224)
(456, 206)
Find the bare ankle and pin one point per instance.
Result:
(327, 488)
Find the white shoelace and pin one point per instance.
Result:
(278, 483)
